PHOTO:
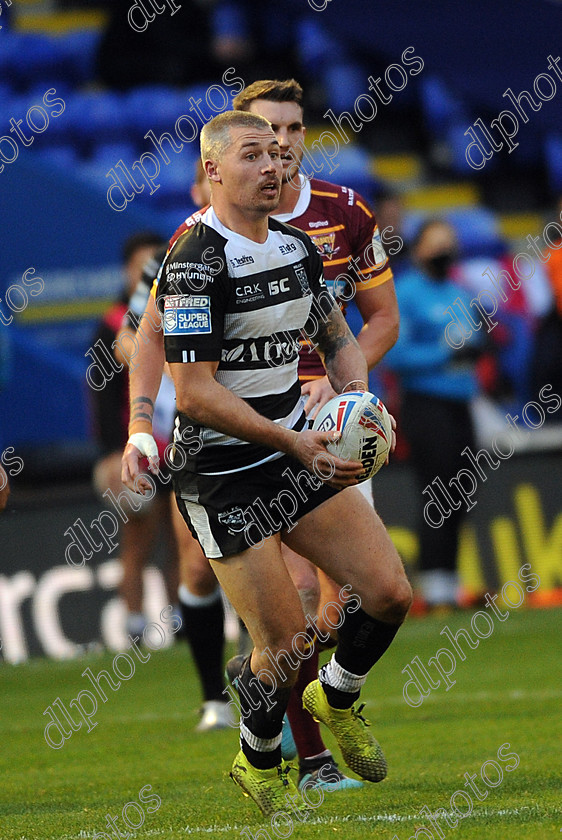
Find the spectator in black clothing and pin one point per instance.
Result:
(111, 415)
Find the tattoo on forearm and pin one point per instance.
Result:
(141, 415)
(142, 400)
(333, 334)
(144, 411)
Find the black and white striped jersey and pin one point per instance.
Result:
(244, 304)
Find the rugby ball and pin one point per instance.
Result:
(366, 431)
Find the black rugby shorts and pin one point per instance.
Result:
(228, 514)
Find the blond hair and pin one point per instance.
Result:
(216, 136)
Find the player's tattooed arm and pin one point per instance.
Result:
(142, 408)
(340, 352)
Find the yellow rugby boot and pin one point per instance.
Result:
(360, 750)
(268, 788)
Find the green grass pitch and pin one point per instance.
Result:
(507, 690)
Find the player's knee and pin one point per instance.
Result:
(285, 652)
(393, 601)
(309, 597)
(303, 574)
(199, 577)
(399, 601)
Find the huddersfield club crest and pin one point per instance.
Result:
(325, 244)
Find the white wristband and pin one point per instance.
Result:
(145, 443)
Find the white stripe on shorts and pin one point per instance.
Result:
(366, 489)
(200, 522)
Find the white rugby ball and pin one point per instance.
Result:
(366, 431)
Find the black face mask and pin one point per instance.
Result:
(439, 266)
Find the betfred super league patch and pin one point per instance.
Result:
(187, 315)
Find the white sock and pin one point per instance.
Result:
(337, 677)
(188, 599)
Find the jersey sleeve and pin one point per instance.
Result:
(139, 298)
(370, 258)
(192, 297)
(323, 301)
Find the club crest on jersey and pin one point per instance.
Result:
(187, 315)
(325, 244)
(302, 277)
(234, 520)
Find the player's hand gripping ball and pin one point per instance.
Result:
(366, 431)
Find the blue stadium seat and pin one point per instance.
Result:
(326, 60)
(104, 157)
(32, 57)
(175, 180)
(64, 157)
(344, 81)
(553, 158)
(6, 94)
(10, 47)
(196, 91)
(440, 107)
(228, 19)
(155, 107)
(96, 117)
(478, 232)
(199, 92)
(458, 143)
(315, 46)
(108, 154)
(57, 133)
(17, 107)
(79, 51)
(410, 225)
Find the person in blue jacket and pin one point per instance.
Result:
(437, 385)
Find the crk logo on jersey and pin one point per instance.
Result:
(248, 291)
